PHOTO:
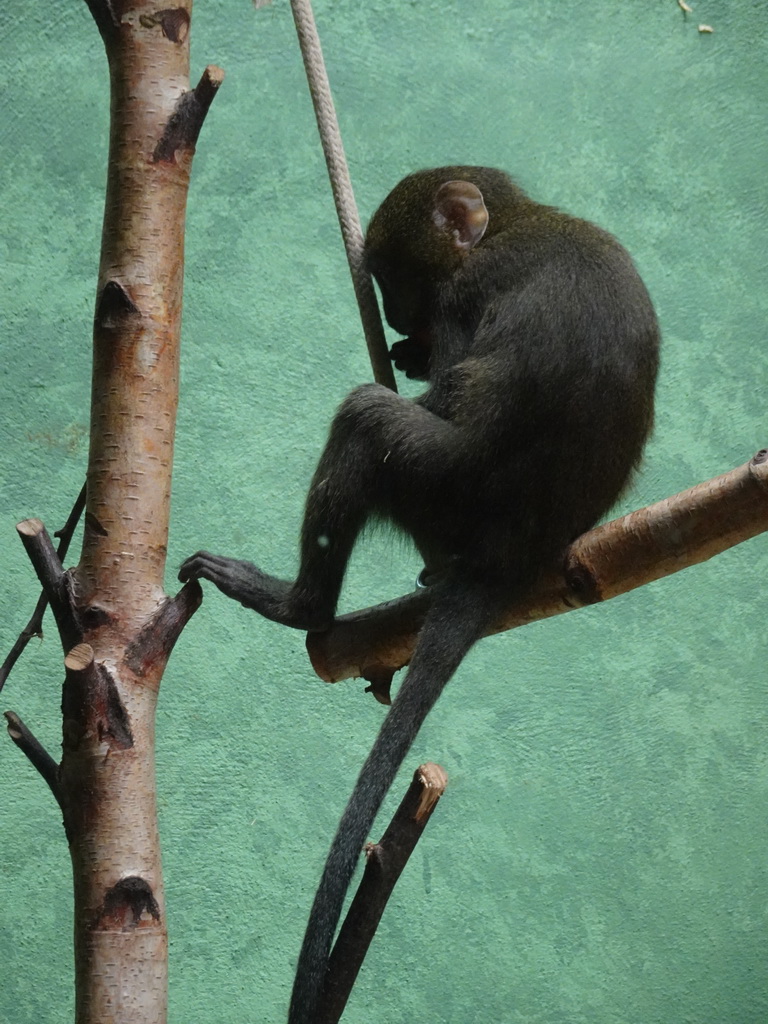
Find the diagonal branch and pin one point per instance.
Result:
(184, 125)
(35, 625)
(613, 559)
(384, 863)
(47, 564)
(36, 753)
(158, 636)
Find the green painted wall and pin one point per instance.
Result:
(600, 855)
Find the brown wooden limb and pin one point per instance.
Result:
(35, 625)
(206, 89)
(47, 564)
(91, 705)
(184, 124)
(79, 680)
(35, 752)
(384, 864)
(108, 780)
(158, 637)
(643, 546)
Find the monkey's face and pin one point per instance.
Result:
(419, 238)
(406, 297)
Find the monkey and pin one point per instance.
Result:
(539, 345)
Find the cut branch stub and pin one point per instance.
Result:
(91, 704)
(157, 638)
(185, 123)
(369, 642)
(209, 84)
(79, 672)
(35, 625)
(79, 658)
(47, 565)
(613, 559)
(384, 863)
(430, 781)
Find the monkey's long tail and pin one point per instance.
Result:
(456, 619)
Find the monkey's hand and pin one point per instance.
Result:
(244, 582)
(411, 356)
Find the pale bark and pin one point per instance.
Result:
(113, 677)
(116, 623)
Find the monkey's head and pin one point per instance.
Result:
(425, 229)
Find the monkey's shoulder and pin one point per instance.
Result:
(557, 268)
(544, 236)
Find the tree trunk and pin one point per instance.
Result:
(114, 605)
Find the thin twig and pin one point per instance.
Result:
(47, 564)
(36, 753)
(35, 625)
(384, 864)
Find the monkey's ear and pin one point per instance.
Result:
(460, 212)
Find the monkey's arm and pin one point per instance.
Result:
(411, 357)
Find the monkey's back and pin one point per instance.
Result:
(554, 393)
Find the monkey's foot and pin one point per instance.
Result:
(244, 582)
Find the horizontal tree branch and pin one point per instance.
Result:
(384, 864)
(643, 546)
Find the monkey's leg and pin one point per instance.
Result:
(382, 451)
(242, 581)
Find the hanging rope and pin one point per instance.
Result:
(341, 184)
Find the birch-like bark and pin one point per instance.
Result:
(115, 605)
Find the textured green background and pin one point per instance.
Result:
(600, 855)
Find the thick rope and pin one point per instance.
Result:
(341, 184)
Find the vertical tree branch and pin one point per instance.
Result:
(126, 623)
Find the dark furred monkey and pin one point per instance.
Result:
(540, 346)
